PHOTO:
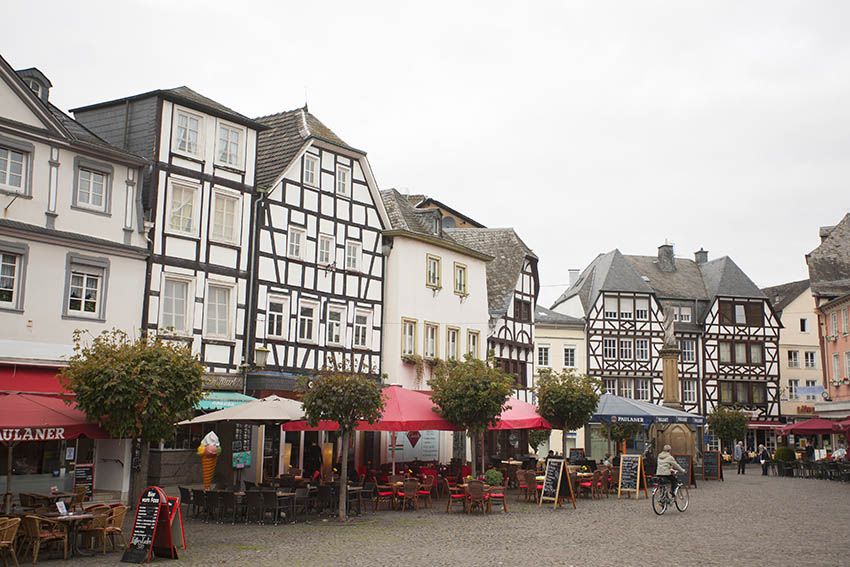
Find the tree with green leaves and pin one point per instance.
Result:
(537, 437)
(566, 399)
(471, 394)
(134, 388)
(728, 424)
(346, 397)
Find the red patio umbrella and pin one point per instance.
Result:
(404, 410)
(520, 415)
(816, 426)
(40, 417)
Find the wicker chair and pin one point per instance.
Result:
(115, 525)
(95, 529)
(476, 496)
(78, 499)
(383, 494)
(426, 489)
(409, 493)
(522, 484)
(533, 487)
(455, 496)
(39, 531)
(8, 533)
(498, 495)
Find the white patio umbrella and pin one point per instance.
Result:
(272, 409)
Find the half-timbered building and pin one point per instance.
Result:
(319, 286)
(512, 290)
(726, 329)
(198, 198)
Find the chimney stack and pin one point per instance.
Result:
(701, 256)
(666, 261)
(574, 276)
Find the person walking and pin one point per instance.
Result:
(764, 459)
(740, 457)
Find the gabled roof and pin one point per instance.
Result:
(286, 134)
(689, 281)
(549, 318)
(723, 277)
(403, 216)
(185, 96)
(509, 253)
(829, 263)
(780, 296)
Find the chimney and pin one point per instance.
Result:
(824, 232)
(574, 276)
(666, 261)
(701, 256)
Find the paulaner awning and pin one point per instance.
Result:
(43, 417)
(617, 409)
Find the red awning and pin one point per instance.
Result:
(40, 417)
(520, 415)
(816, 426)
(17, 378)
(770, 425)
(404, 410)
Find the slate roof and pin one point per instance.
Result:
(424, 202)
(509, 253)
(829, 263)
(690, 281)
(182, 95)
(780, 296)
(549, 318)
(287, 132)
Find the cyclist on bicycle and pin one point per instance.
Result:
(666, 466)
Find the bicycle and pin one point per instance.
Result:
(662, 498)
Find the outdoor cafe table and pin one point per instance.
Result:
(52, 497)
(74, 521)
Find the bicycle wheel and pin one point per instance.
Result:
(659, 500)
(682, 499)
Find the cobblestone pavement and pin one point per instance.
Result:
(750, 520)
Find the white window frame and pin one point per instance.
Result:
(436, 262)
(17, 269)
(358, 255)
(689, 391)
(627, 349)
(570, 360)
(104, 196)
(25, 157)
(235, 230)
(231, 298)
(811, 384)
(188, 309)
(627, 307)
(366, 328)
(793, 359)
(408, 325)
(609, 386)
(460, 269)
(175, 140)
(543, 352)
(643, 389)
(283, 316)
(316, 172)
(298, 236)
(810, 354)
(169, 213)
(834, 321)
(339, 326)
(804, 324)
(452, 343)
(331, 258)
(473, 343)
(610, 349)
(689, 350)
(641, 308)
(793, 384)
(609, 311)
(627, 388)
(343, 180)
(431, 346)
(847, 364)
(240, 145)
(845, 320)
(836, 367)
(642, 349)
(740, 314)
(685, 314)
(314, 319)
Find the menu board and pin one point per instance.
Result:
(144, 526)
(552, 480)
(242, 438)
(711, 466)
(686, 462)
(84, 476)
(632, 476)
(577, 455)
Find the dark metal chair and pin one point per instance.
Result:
(271, 504)
(199, 502)
(254, 505)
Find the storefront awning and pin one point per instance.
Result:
(41, 417)
(215, 400)
(768, 425)
(618, 409)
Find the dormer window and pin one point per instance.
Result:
(436, 224)
(36, 87)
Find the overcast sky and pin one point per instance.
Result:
(586, 126)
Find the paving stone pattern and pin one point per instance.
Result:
(749, 520)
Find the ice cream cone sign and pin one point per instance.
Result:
(208, 450)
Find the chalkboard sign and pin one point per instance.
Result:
(556, 484)
(687, 463)
(577, 455)
(711, 466)
(242, 438)
(632, 476)
(144, 526)
(84, 476)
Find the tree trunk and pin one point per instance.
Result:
(139, 478)
(564, 442)
(473, 452)
(343, 477)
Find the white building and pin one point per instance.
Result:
(72, 255)
(436, 306)
(559, 344)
